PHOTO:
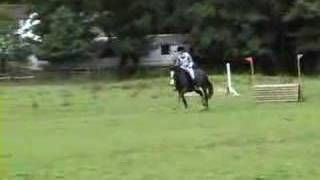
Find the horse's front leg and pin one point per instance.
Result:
(172, 82)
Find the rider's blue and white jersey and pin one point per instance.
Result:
(184, 61)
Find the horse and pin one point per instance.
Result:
(184, 84)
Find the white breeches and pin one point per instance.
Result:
(191, 72)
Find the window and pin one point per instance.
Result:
(165, 49)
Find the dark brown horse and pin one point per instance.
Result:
(184, 84)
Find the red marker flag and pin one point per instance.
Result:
(249, 59)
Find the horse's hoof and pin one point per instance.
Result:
(204, 109)
(171, 83)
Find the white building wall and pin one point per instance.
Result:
(154, 57)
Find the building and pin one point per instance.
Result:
(161, 52)
(10, 13)
(165, 47)
(14, 11)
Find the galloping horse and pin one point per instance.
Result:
(184, 84)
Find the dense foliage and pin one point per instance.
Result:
(226, 29)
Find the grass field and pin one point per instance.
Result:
(135, 130)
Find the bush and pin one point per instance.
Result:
(13, 49)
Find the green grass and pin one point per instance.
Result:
(137, 130)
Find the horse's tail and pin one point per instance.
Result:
(210, 89)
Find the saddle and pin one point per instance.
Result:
(193, 81)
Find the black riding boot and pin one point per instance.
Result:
(194, 84)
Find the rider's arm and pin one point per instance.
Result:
(176, 61)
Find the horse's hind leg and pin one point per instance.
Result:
(184, 100)
(199, 92)
(201, 95)
(206, 104)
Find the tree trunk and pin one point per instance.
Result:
(3, 66)
(283, 49)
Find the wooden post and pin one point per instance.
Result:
(229, 84)
(299, 67)
(299, 75)
(251, 61)
(252, 71)
(230, 89)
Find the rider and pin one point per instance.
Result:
(184, 61)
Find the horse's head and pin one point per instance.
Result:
(176, 69)
(175, 73)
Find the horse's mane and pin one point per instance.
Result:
(179, 72)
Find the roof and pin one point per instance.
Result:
(156, 38)
(170, 38)
(13, 11)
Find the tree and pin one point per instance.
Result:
(12, 49)
(130, 23)
(229, 29)
(66, 38)
(241, 28)
(304, 22)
